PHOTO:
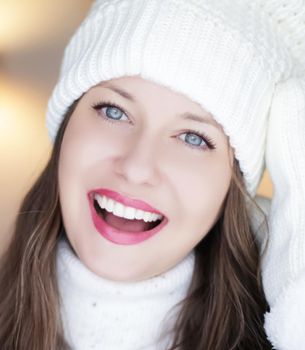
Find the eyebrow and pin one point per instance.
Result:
(185, 116)
(200, 119)
(119, 91)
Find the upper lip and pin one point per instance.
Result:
(129, 202)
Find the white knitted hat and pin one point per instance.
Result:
(226, 55)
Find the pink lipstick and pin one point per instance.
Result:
(119, 236)
(128, 202)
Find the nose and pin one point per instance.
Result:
(138, 162)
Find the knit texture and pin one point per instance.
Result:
(283, 264)
(103, 314)
(286, 165)
(226, 55)
(285, 323)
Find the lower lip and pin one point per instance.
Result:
(121, 237)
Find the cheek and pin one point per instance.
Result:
(86, 149)
(201, 186)
(83, 149)
(201, 176)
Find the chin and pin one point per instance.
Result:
(118, 274)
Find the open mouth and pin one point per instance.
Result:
(124, 224)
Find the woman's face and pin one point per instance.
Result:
(133, 143)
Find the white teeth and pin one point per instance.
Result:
(147, 216)
(104, 202)
(108, 204)
(100, 200)
(139, 214)
(121, 210)
(118, 210)
(129, 213)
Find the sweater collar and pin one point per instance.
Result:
(101, 314)
(77, 274)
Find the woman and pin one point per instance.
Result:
(137, 235)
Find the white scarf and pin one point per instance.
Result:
(101, 314)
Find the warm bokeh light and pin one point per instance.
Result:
(32, 36)
(24, 22)
(24, 146)
(265, 188)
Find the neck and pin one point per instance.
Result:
(118, 315)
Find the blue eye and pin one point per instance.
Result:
(110, 111)
(197, 140)
(193, 139)
(113, 113)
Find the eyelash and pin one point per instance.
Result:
(209, 142)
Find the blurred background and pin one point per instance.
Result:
(33, 34)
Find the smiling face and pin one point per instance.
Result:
(149, 148)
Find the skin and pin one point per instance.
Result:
(146, 155)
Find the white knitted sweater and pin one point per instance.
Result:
(107, 315)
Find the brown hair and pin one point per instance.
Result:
(225, 305)
(223, 309)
